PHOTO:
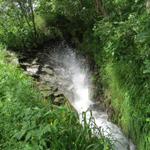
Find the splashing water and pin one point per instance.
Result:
(73, 75)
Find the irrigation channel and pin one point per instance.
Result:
(70, 74)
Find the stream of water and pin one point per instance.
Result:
(74, 81)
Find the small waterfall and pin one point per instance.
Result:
(74, 80)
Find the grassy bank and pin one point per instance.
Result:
(121, 52)
(130, 101)
(28, 122)
(126, 76)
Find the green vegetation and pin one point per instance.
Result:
(28, 122)
(125, 71)
(122, 53)
(116, 36)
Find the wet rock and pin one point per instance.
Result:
(97, 107)
(47, 66)
(51, 93)
(34, 62)
(48, 94)
(59, 100)
(58, 94)
(46, 78)
(44, 87)
(54, 88)
(110, 112)
(24, 65)
(47, 70)
(12, 58)
(32, 70)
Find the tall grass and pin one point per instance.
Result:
(123, 62)
(129, 99)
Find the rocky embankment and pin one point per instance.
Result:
(53, 77)
(46, 79)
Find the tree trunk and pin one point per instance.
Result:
(81, 3)
(148, 6)
(100, 8)
(33, 18)
(24, 12)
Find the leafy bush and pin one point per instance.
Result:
(119, 45)
(123, 58)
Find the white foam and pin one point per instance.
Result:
(79, 85)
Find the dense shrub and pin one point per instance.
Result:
(124, 58)
(119, 45)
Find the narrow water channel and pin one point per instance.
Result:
(73, 78)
